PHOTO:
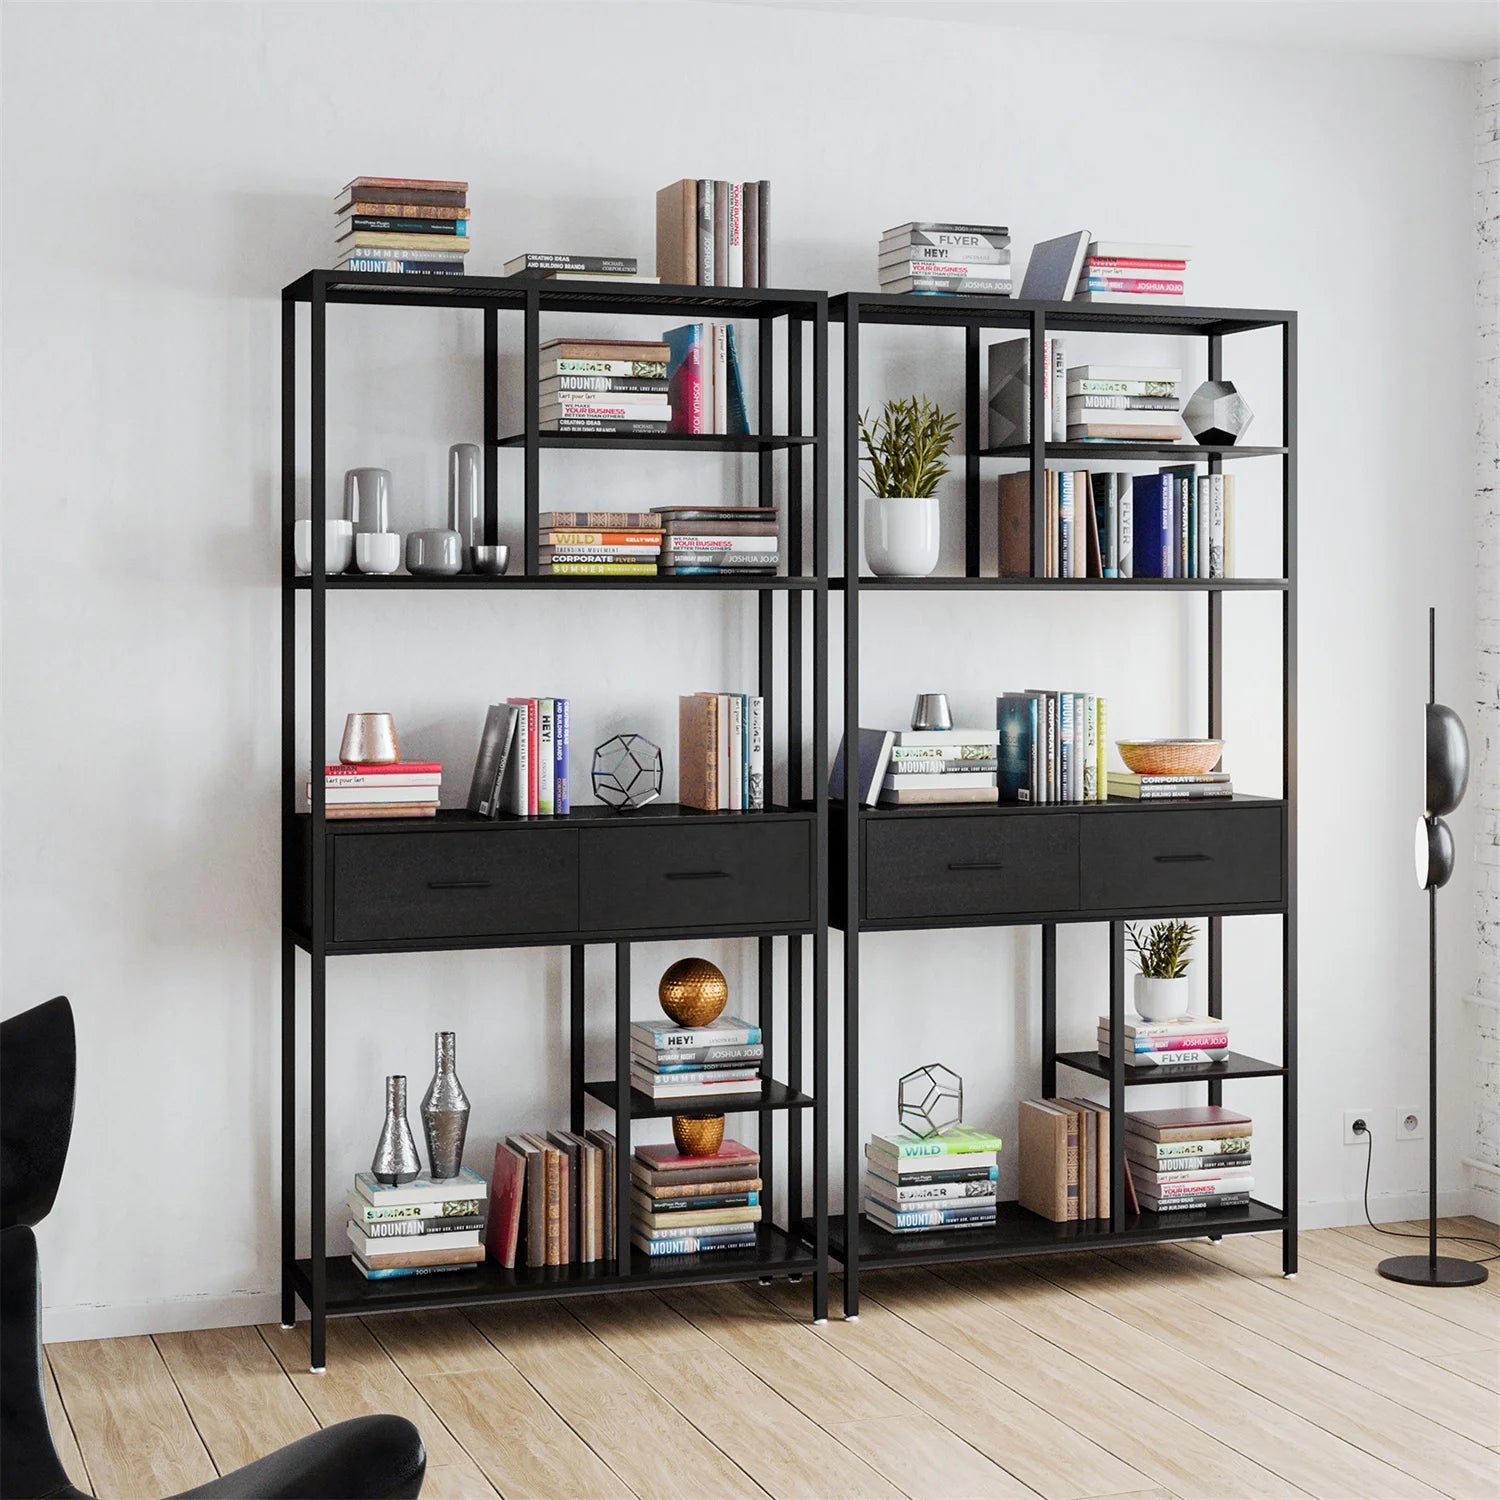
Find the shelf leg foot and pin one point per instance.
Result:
(287, 1327)
(1288, 1275)
(765, 1281)
(317, 1369)
(1214, 1239)
(851, 1317)
(794, 1280)
(820, 1322)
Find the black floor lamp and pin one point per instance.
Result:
(1447, 780)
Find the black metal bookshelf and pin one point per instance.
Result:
(894, 868)
(366, 887)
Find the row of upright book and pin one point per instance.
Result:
(713, 233)
(916, 1184)
(407, 225)
(934, 257)
(402, 789)
(554, 1199)
(721, 752)
(1176, 523)
(522, 764)
(1052, 746)
(696, 1063)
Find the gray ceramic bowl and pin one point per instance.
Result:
(491, 561)
(434, 553)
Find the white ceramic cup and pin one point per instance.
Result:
(338, 545)
(377, 552)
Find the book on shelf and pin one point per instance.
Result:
(490, 760)
(668, 1223)
(1125, 272)
(641, 568)
(422, 212)
(401, 226)
(686, 1059)
(1191, 1032)
(337, 795)
(721, 753)
(1145, 791)
(399, 267)
(945, 1181)
(897, 1193)
(1200, 1160)
(571, 356)
(1053, 269)
(910, 1221)
(413, 243)
(548, 263)
(459, 1248)
(1009, 392)
(599, 520)
(429, 229)
(1199, 1122)
(727, 1031)
(962, 1143)
(939, 239)
(710, 232)
(403, 789)
(373, 1223)
(555, 388)
(1183, 523)
(706, 1084)
(660, 1175)
(553, 1199)
(932, 281)
(1064, 1165)
(1186, 1059)
(604, 426)
(521, 767)
(1053, 746)
(418, 1227)
(705, 385)
(914, 1172)
(874, 750)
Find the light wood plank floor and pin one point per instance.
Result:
(1191, 1371)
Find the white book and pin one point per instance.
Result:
(904, 781)
(1165, 373)
(394, 778)
(989, 736)
(736, 752)
(690, 542)
(374, 1249)
(1125, 516)
(468, 1186)
(546, 757)
(1057, 393)
(1137, 250)
(1124, 298)
(517, 795)
(720, 333)
(723, 699)
(624, 408)
(1216, 526)
(358, 796)
(736, 276)
(1230, 568)
(756, 738)
(1126, 417)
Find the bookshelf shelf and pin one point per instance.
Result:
(935, 867)
(594, 878)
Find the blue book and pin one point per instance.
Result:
(874, 752)
(1154, 536)
(1016, 721)
(1186, 517)
(744, 743)
(1065, 747)
(560, 742)
(739, 416)
(1066, 511)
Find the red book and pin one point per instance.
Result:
(1099, 281)
(667, 1158)
(1119, 266)
(1208, 1040)
(687, 388)
(399, 768)
(502, 1231)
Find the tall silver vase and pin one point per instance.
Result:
(396, 1160)
(445, 1112)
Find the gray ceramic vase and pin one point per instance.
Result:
(436, 552)
(445, 1112)
(396, 1160)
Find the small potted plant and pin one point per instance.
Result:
(1161, 951)
(906, 448)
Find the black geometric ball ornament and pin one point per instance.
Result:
(627, 772)
(1217, 413)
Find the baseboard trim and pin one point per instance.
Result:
(66, 1325)
(1337, 1213)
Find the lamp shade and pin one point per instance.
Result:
(1447, 760)
(1434, 853)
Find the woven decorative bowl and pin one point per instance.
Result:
(1170, 757)
(698, 1135)
(693, 992)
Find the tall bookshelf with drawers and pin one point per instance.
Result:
(905, 868)
(593, 878)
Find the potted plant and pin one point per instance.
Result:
(906, 448)
(1161, 988)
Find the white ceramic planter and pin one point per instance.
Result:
(901, 535)
(1160, 999)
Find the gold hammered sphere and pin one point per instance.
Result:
(693, 992)
(698, 1135)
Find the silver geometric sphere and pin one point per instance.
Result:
(627, 772)
(930, 1099)
(1217, 413)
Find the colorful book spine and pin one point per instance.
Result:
(401, 268)
(692, 1244)
(562, 743)
(736, 1034)
(546, 753)
(928, 1218)
(686, 380)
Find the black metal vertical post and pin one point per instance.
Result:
(820, 806)
(765, 1015)
(1432, 1081)
(577, 1034)
(491, 426)
(317, 729)
(1289, 791)
(531, 384)
(1037, 455)
(795, 616)
(1117, 1075)
(1049, 1010)
(971, 451)
(289, 876)
(1215, 729)
(622, 1108)
(852, 810)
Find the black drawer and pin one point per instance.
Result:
(1189, 857)
(970, 866)
(697, 875)
(413, 886)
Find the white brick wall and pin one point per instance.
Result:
(1484, 1012)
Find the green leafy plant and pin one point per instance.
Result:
(1162, 949)
(906, 447)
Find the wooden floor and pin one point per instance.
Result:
(1190, 1371)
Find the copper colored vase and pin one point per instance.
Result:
(370, 740)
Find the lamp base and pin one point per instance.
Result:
(1429, 1270)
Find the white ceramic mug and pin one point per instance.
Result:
(377, 552)
(338, 545)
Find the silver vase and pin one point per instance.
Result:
(445, 1113)
(396, 1160)
(466, 498)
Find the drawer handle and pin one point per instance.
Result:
(458, 885)
(975, 864)
(1184, 859)
(697, 875)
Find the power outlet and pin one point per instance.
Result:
(1353, 1137)
(1411, 1124)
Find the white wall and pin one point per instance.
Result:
(168, 169)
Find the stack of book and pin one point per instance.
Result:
(401, 224)
(704, 384)
(935, 257)
(598, 543)
(910, 767)
(1124, 404)
(522, 763)
(721, 753)
(558, 266)
(1052, 746)
(1185, 1042)
(684, 1205)
(1063, 1170)
(1126, 271)
(417, 1228)
(696, 1062)
(603, 385)
(946, 1181)
(1198, 1157)
(1183, 524)
(554, 1199)
(405, 789)
(1190, 786)
(711, 540)
(713, 233)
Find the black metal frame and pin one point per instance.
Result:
(328, 1286)
(854, 1241)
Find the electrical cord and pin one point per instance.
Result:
(1360, 1128)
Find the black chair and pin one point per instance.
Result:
(370, 1458)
